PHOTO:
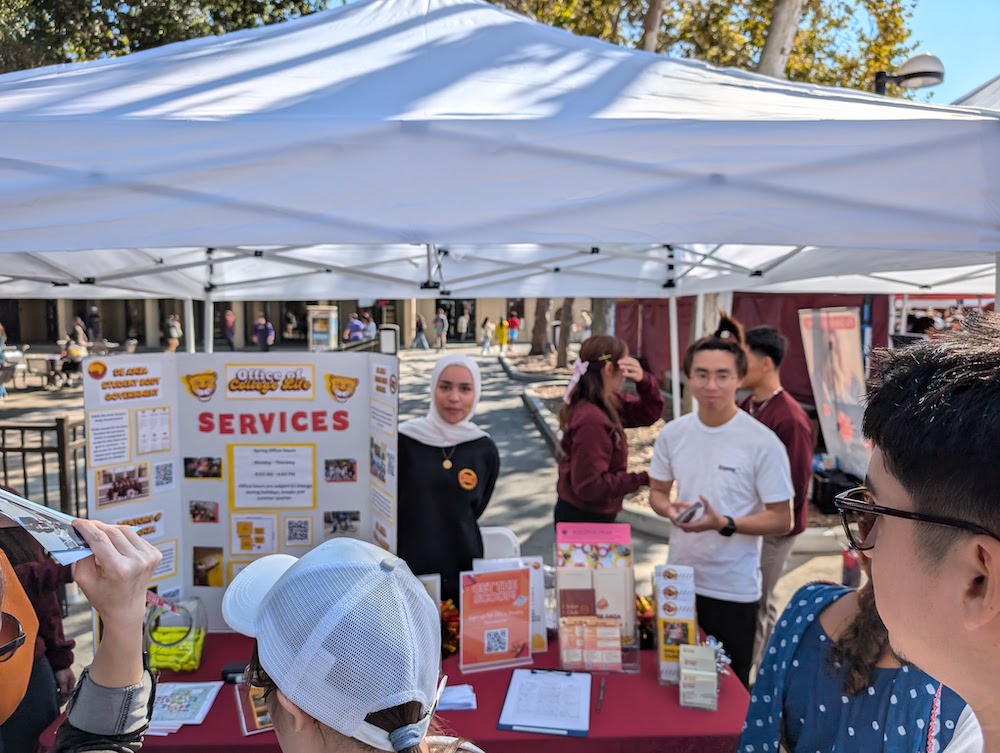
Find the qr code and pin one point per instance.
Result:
(298, 531)
(496, 641)
(163, 475)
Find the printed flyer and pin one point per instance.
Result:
(222, 458)
(495, 613)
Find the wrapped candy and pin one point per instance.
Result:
(722, 660)
(449, 628)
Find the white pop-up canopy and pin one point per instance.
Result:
(404, 123)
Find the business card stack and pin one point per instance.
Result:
(699, 678)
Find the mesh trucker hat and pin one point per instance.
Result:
(344, 631)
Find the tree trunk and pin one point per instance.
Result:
(651, 26)
(539, 331)
(601, 315)
(565, 327)
(785, 18)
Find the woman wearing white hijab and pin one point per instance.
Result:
(448, 467)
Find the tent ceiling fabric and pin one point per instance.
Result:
(401, 122)
(413, 271)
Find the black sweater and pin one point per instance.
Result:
(438, 507)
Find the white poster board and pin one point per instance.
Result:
(223, 458)
(832, 342)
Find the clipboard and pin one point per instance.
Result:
(548, 702)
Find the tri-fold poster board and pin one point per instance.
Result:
(218, 459)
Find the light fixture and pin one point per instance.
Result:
(918, 72)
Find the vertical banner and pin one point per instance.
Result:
(223, 458)
(832, 342)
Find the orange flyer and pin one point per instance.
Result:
(495, 613)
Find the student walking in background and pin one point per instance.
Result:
(263, 332)
(420, 334)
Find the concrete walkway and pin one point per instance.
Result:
(524, 495)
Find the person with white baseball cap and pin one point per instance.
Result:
(348, 649)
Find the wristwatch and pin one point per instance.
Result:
(729, 528)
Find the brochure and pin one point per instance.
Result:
(184, 702)
(254, 716)
(50, 528)
(539, 635)
(594, 545)
(495, 619)
(676, 625)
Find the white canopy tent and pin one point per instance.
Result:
(404, 148)
(454, 122)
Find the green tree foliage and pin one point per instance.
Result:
(839, 42)
(45, 32)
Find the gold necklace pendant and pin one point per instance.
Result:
(446, 463)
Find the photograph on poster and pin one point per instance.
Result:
(341, 469)
(129, 483)
(203, 468)
(254, 534)
(298, 532)
(676, 633)
(235, 568)
(203, 512)
(207, 566)
(379, 459)
(341, 523)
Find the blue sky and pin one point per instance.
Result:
(965, 34)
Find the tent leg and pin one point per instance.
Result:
(189, 325)
(996, 283)
(904, 312)
(699, 315)
(675, 366)
(209, 324)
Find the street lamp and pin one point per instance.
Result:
(916, 73)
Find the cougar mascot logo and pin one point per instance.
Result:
(341, 387)
(201, 385)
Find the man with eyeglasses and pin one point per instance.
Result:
(733, 487)
(928, 516)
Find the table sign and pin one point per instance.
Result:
(495, 619)
(539, 635)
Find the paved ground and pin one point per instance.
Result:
(524, 496)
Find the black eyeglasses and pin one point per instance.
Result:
(11, 635)
(858, 513)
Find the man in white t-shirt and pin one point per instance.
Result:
(737, 469)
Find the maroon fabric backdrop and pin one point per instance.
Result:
(645, 325)
(782, 311)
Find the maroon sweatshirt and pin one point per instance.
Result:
(785, 417)
(40, 580)
(592, 473)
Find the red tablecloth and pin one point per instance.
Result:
(638, 714)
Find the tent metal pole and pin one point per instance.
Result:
(189, 325)
(996, 283)
(209, 323)
(699, 328)
(675, 365)
(903, 313)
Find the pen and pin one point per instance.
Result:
(600, 695)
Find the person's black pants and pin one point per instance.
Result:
(567, 513)
(734, 624)
(37, 710)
